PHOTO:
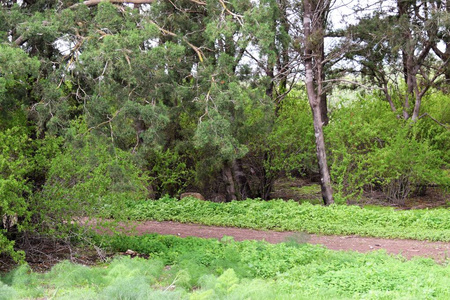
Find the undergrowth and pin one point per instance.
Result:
(194, 268)
(282, 215)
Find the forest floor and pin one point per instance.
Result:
(439, 251)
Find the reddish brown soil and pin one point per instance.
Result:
(407, 248)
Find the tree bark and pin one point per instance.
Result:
(325, 178)
(323, 95)
(227, 176)
(313, 60)
(244, 191)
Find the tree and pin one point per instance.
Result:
(314, 22)
(403, 41)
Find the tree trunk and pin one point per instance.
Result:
(267, 180)
(324, 109)
(313, 60)
(325, 178)
(323, 95)
(227, 176)
(244, 191)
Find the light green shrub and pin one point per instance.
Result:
(370, 148)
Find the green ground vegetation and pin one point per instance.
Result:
(432, 224)
(193, 268)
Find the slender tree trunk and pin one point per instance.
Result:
(325, 179)
(313, 66)
(323, 95)
(270, 86)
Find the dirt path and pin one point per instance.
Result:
(408, 248)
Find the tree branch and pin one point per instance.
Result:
(427, 115)
(95, 2)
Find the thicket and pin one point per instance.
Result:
(193, 268)
(372, 149)
(47, 184)
(369, 147)
(289, 215)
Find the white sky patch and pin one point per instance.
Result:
(347, 12)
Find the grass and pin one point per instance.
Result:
(282, 215)
(194, 268)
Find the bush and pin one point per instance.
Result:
(169, 173)
(292, 144)
(88, 178)
(194, 268)
(44, 185)
(15, 165)
(371, 148)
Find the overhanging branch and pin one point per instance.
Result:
(96, 2)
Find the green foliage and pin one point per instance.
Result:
(99, 102)
(15, 164)
(169, 172)
(194, 268)
(17, 71)
(287, 216)
(437, 106)
(291, 142)
(89, 177)
(122, 278)
(370, 147)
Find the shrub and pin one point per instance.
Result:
(371, 148)
(15, 164)
(274, 271)
(291, 144)
(88, 178)
(169, 173)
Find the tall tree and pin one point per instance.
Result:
(398, 41)
(315, 13)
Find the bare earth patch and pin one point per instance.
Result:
(407, 248)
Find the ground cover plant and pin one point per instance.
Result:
(194, 268)
(433, 224)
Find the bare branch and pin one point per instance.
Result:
(21, 39)
(164, 30)
(195, 48)
(441, 124)
(110, 119)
